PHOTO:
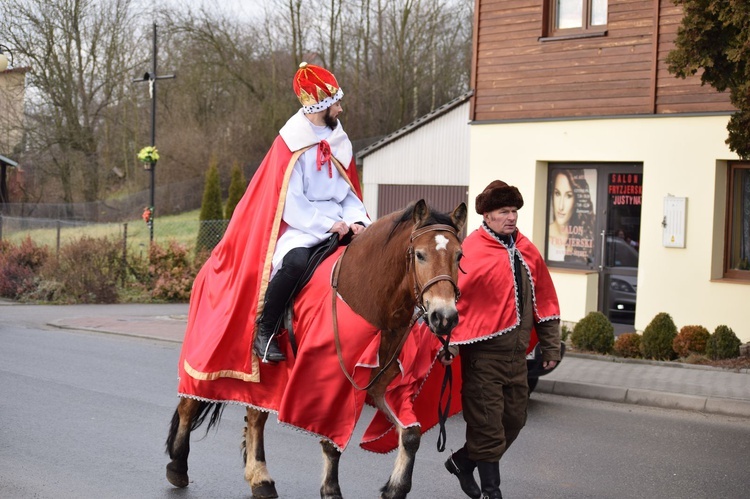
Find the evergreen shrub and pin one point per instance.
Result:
(211, 209)
(691, 340)
(594, 333)
(628, 345)
(658, 338)
(564, 332)
(723, 344)
(237, 187)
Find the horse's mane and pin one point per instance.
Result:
(435, 217)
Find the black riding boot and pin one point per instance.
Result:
(266, 345)
(278, 295)
(460, 465)
(489, 476)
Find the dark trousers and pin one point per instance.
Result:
(281, 287)
(494, 396)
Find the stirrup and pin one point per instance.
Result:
(269, 354)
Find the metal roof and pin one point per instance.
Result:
(422, 120)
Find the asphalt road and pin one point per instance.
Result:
(85, 415)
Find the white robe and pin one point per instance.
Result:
(315, 201)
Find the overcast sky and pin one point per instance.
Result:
(239, 8)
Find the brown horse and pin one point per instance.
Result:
(403, 262)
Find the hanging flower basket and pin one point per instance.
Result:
(148, 155)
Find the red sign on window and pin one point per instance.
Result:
(625, 189)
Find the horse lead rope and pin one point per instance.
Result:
(443, 410)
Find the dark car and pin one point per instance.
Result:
(622, 286)
(621, 301)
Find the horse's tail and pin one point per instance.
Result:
(212, 410)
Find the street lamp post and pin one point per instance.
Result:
(151, 79)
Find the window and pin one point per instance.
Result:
(594, 225)
(571, 215)
(737, 262)
(576, 17)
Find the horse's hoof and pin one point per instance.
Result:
(265, 490)
(177, 479)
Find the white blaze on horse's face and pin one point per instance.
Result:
(436, 255)
(442, 242)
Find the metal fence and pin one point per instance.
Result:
(135, 236)
(172, 198)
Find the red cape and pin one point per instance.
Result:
(216, 362)
(487, 308)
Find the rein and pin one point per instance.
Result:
(443, 409)
(419, 309)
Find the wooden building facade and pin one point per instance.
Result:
(523, 69)
(575, 96)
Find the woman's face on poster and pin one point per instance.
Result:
(563, 200)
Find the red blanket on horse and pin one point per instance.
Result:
(310, 392)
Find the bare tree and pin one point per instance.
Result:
(395, 59)
(417, 56)
(228, 97)
(79, 52)
(297, 31)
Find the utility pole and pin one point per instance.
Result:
(151, 78)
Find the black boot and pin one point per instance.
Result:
(265, 344)
(489, 476)
(278, 294)
(460, 465)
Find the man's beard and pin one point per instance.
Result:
(329, 120)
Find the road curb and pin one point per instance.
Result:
(161, 328)
(651, 398)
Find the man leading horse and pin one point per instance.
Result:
(507, 293)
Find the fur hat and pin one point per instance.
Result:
(316, 88)
(497, 195)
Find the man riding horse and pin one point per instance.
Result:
(305, 190)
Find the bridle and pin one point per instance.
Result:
(419, 292)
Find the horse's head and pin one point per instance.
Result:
(434, 255)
